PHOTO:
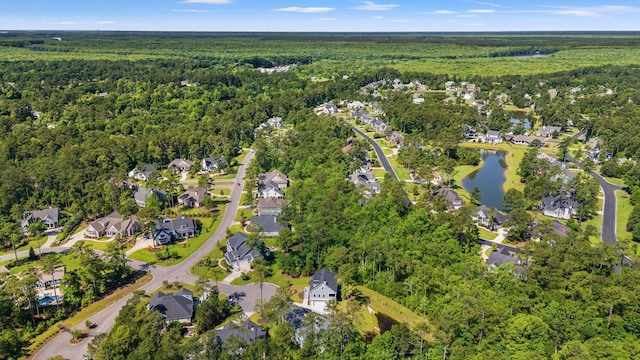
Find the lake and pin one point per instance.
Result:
(489, 178)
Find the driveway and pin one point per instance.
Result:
(247, 295)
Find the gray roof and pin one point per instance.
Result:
(552, 203)
(198, 194)
(141, 193)
(52, 214)
(494, 134)
(451, 196)
(179, 225)
(504, 256)
(238, 250)
(270, 202)
(500, 217)
(214, 162)
(268, 223)
(173, 306)
(248, 331)
(325, 276)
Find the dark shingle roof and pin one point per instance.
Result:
(268, 223)
(173, 306)
(248, 332)
(325, 276)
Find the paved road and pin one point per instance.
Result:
(247, 295)
(609, 209)
(383, 158)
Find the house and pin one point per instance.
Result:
(363, 177)
(112, 225)
(504, 256)
(556, 227)
(50, 217)
(594, 143)
(491, 219)
(326, 108)
(180, 165)
(270, 206)
(125, 227)
(379, 126)
(275, 122)
(238, 252)
(211, 164)
(558, 207)
(48, 286)
(453, 199)
(565, 177)
(355, 105)
(527, 140)
(396, 137)
(276, 177)
(141, 195)
(418, 100)
(268, 225)
(143, 173)
(296, 317)
(270, 191)
(248, 332)
(322, 289)
(492, 137)
(194, 197)
(174, 307)
(549, 131)
(180, 228)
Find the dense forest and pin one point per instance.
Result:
(86, 111)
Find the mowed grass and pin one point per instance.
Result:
(623, 211)
(70, 262)
(596, 221)
(245, 214)
(33, 243)
(486, 234)
(400, 313)
(183, 248)
(615, 181)
(403, 174)
(281, 279)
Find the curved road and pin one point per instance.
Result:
(376, 147)
(105, 319)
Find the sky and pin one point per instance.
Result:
(321, 15)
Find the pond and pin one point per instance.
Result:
(489, 178)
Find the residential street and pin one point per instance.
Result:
(105, 320)
(383, 159)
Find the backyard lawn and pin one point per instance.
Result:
(35, 243)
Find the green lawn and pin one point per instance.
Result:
(31, 244)
(387, 152)
(183, 248)
(175, 286)
(68, 260)
(623, 210)
(392, 309)
(615, 181)
(597, 222)
(486, 234)
(97, 245)
(237, 228)
(403, 174)
(244, 213)
(243, 154)
(379, 173)
(460, 173)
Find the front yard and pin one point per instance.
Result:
(183, 248)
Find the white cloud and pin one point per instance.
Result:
(443, 12)
(214, 2)
(579, 13)
(189, 10)
(306, 9)
(400, 21)
(482, 3)
(106, 22)
(327, 19)
(371, 6)
(467, 16)
(378, 17)
(475, 24)
(68, 22)
(481, 11)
